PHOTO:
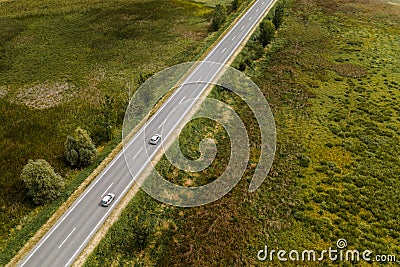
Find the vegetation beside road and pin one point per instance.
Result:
(331, 78)
(74, 64)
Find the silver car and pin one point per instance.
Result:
(107, 199)
(155, 139)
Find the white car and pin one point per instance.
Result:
(107, 199)
(155, 139)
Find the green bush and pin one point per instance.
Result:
(43, 184)
(267, 31)
(80, 150)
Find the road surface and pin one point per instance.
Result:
(67, 238)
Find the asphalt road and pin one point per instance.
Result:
(66, 239)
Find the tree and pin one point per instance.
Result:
(218, 18)
(43, 184)
(267, 31)
(278, 16)
(80, 150)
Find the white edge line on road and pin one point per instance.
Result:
(105, 192)
(62, 243)
(142, 129)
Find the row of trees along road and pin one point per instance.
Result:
(254, 49)
(220, 13)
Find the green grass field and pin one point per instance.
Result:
(58, 61)
(332, 79)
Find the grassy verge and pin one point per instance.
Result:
(331, 78)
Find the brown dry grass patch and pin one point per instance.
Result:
(45, 95)
(350, 70)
